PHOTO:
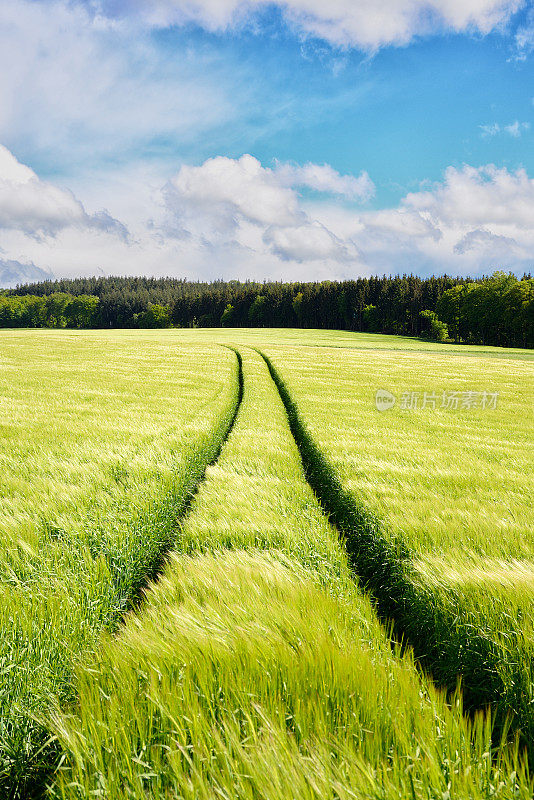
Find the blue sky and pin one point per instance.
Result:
(224, 139)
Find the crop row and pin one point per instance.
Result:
(255, 667)
(103, 445)
(434, 508)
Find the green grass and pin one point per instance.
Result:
(294, 337)
(103, 440)
(244, 678)
(453, 482)
(435, 505)
(256, 669)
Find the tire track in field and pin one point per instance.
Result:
(383, 565)
(153, 575)
(374, 560)
(36, 786)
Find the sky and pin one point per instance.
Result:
(233, 139)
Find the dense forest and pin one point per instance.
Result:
(497, 310)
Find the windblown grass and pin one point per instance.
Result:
(452, 481)
(103, 440)
(256, 669)
(434, 504)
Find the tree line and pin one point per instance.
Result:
(54, 310)
(497, 310)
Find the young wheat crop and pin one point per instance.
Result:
(256, 669)
(103, 439)
(434, 501)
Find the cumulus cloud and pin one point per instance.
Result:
(238, 212)
(310, 242)
(39, 208)
(471, 222)
(483, 196)
(371, 25)
(235, 218)
(223, 192)
(366, 24)
(323, 178)
(224, 218)
(482, 240)
(240, 200)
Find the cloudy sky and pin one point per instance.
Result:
(247, 139)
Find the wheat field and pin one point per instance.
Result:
(214, 542)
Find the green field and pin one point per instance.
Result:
(435, 503)
(234, 496)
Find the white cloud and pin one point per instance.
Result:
(482, 240)
(241, 201)
(234, 218)
(474, 197)
(472, 221)
(39, 208)
(12, 171)
(224, 192)
(476, 219)
(224, 218)
(366, 24)
(94, 89)
(491, 130)
(514, 129)
(323, 178)
(371, 25)
(310, 242)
